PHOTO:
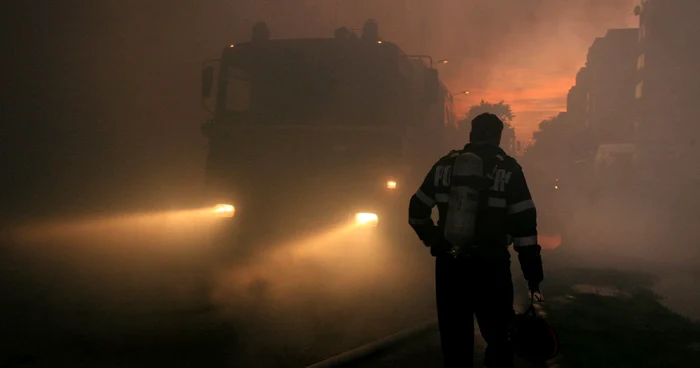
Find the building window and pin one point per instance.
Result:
(639, 92)
(641, 61)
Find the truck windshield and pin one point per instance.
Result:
(313, 84)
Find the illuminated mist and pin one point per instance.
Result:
(103, 163)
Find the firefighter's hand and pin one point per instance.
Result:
(536, 296)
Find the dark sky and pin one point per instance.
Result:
(101, 98)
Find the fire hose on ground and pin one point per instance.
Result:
(370, 349)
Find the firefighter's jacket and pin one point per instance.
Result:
(506, 212)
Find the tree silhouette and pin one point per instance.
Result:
(562, 137)
(504, 112)
(551, 139)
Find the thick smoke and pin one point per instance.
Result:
(524, 52)
(120, 78)
(105, 114)
(345, 284)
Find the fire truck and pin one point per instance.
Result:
(306, 132)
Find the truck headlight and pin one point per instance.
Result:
(366, 219)
(224, 210)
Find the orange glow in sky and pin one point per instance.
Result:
(530, 63)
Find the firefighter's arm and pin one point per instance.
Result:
(420, 209)
(522, 227)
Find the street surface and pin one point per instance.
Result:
(420, 352)
(71, 305)
(134, 297)
(424, 352)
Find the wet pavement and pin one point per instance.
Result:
(679, 291)
(675, 276)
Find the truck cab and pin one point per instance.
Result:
(308, 132)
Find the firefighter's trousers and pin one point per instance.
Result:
(474, 286)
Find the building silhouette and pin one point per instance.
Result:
(577, 99)
(602, 103)
(611, 69)
(641, 86)
(668, 84)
